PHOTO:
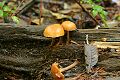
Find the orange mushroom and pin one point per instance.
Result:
(57, 72)
(68, 26)
(53, 31)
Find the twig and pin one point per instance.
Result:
(18, 7)
(85, 10)
(21, 9)
(52, 2)
(40, 14)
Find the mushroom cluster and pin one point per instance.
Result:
(53, 31)
(57, 30)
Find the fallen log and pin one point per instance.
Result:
(24, 48)
(115, 45)
(21, 50)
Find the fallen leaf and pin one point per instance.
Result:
(59, 15)
(36, 21)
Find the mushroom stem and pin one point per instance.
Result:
(52, 42)
(70, 66)
(68, 38)
(60, 41)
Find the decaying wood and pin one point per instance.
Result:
(107, 46)
(23, 50)
(99, 31)
(31, 36)
(16, 68)
(97, 34)
(111, 64)
(115, 45)
(115, 54)
(79, 34)
(107, 43)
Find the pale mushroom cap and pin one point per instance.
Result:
(54, 30)
(68, 26)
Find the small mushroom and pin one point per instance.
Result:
(57, 72)
(68, 26)
(53, 31)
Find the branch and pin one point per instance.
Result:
(85, 10)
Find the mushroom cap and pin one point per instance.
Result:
(68, 26)
(54, 30)
(56, 72)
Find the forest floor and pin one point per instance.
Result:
(25, 54)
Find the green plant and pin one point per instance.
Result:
(97, 10)
(7, 12)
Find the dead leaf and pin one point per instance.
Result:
(59, 15)
(36, 21)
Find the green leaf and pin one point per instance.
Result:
(94, 12)
(5, 14)
(98, 8)
(103, 16)
(89, 1)
(6, 8)
(1, 13)
(12, 11)
(14, 8)
(2, 3)
(15, 19)
(105, 13)
(98, 0)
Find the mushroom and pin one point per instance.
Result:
(57, 72)
(53, 31)
(68, 26)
